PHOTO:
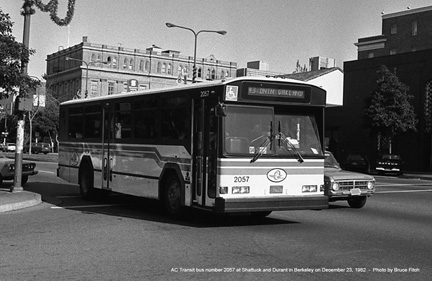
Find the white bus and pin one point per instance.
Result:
(245, 145)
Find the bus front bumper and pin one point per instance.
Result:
(257, 204)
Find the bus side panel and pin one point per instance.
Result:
(136, 170)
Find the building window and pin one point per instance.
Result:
(199, 72)
(147, 65)
(393, 52)
(393, 29)
(169, 69)
(141, 65)
(414, 28)
(213, 74)
(159, 67)
(131, 64)
(125, 63)
(111, 87)
(163, 68)
(93, 57)
(93, 88)
(114, 63)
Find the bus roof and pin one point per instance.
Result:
(192, 86)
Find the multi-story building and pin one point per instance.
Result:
(402, 32)
(405, 48)
(96, 69)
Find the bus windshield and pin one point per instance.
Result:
(255, 130)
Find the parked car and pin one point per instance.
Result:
(389, 164)
(7, 169)
(339, 184)
(40, 147)
(9, 147)
(357, 163)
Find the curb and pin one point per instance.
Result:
(18, 200)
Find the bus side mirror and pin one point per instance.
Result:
(221, 110)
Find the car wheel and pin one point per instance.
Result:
(86, 183)
(24, 180)
(357, 202)
(172, 197)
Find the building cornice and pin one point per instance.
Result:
(407, 12)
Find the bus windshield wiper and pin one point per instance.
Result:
(288, 145)
(267, 144)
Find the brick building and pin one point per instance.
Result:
(104, 70)
(405, 47)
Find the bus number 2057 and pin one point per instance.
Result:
(241, 179)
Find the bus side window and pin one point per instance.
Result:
(75, 127)
(122, 121)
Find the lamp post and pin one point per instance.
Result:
(87, 68)
(221, 32)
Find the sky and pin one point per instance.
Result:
(277, 32)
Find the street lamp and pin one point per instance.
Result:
(87, 68)
(221, 32)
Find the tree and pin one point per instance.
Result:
(390, 111)
(12, 55)
(47, 119)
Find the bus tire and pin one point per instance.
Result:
(172, 197)
(87, 190)
(357, 202)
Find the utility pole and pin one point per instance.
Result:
(27, 11)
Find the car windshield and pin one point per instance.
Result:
(330, 161)
(250, 130)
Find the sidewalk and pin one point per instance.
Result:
(10, 201)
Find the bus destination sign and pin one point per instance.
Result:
(271, 92)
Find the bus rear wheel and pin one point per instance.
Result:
(172, 197)
(86, 183)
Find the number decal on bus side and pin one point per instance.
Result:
(205, 94)
(241, 179)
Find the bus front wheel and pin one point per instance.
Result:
(172, 197)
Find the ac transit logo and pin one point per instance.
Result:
(276, 175)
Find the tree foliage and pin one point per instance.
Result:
(390, 111)
(47, 120)
(12, 55)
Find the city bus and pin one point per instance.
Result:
(246, 145)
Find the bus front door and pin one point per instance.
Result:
(204, 151)
(107, 138)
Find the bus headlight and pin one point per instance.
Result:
(240, 189)
(309, 188)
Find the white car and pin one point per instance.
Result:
(9, 147)
(7, 169)
(345, 185)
